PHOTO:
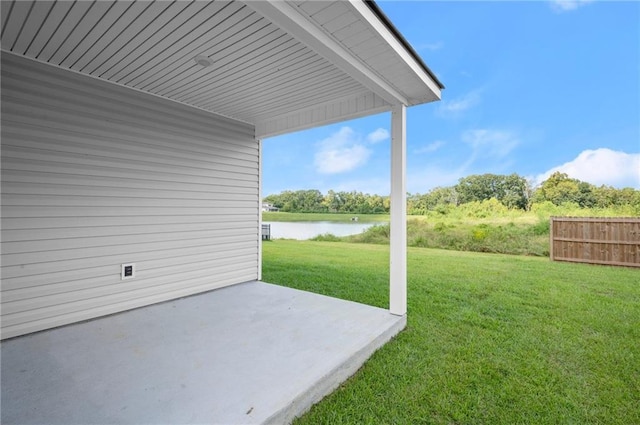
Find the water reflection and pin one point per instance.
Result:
(308, 230)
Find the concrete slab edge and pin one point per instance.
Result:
(327, 384)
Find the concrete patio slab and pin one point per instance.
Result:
(246, 354)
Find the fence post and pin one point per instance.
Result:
(551, 247)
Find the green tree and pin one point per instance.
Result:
(511, 190)
(559, 189)
(608, 197)
(438, 198)
(313, 200)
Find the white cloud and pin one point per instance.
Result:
(490, 144)
(431, 46)
(568, 5)
(431, 147)
(378, 135)
(460, 104)
(341, 152)
(601, 166)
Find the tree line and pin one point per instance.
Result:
(313, 201)
(512, 191)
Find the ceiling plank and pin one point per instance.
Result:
(289, 18)
(267, 62)
(96, 32)
(290, 93)
(283, 66)
(48, 28)
(31, 26)
(287, 107)
(135, 42)
(15, 18)
(84, 27)
(5, 12)
(108, 37)
(70, 21)
(223, 51)
(234, 60)
(329, 14)
(181, 55)
(340, 22)
(124, 40)
(284, 87)
(311, 7)
(321, 114)
(179, 34)
(255, 86)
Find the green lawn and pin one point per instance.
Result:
(491, 339)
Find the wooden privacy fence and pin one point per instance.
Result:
(613, 241)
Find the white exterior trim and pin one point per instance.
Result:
(398, 238)
(285, 16)
(324, 114)
(384, 32)
(259, 272)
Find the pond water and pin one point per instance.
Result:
(308, 230)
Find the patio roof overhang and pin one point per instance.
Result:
(281, 66)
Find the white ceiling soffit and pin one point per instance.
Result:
(282, 66)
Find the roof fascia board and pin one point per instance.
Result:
(290, 20)
(398, 35)
(374, 21)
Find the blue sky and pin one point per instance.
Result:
(531, 88)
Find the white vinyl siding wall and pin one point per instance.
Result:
(95, 175)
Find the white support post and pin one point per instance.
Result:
(398, 237)
(259, 274)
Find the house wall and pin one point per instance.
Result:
(95, 175)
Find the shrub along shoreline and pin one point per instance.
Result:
(485, 226)
(509, 238)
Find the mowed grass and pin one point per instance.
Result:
(491, 339)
